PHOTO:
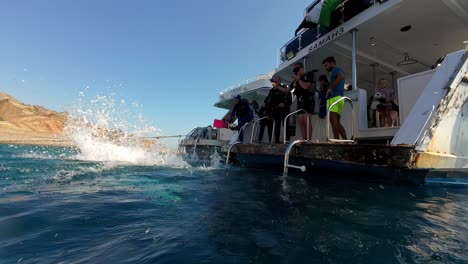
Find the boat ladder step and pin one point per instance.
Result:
(287, 155)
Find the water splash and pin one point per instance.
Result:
(106, 130)
(216, 160)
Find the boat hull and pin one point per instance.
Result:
(379, 163)
(201, 151)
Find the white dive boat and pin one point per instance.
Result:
(420, 47)
(202, 142)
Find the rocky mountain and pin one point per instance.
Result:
(22, 123)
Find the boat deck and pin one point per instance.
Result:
(369, 161)
(364, 154)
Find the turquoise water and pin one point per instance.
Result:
(58, 207)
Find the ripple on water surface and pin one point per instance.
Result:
(56, 207)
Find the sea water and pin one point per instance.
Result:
(56, 206)
(119, 202)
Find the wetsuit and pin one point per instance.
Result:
(272, 102)
(305, 98)
(244, 114)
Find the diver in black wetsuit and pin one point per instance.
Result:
(303, 89)
(277, 105)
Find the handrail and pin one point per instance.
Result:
(285, 121)
(191, 131)
(229, 151)
(241, 129)
(352, 121)
(245, 82)
(286, 157)
(255, 123)
(194, 143)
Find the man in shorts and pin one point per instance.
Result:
(334, 93)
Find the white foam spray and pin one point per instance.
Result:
(108, 131)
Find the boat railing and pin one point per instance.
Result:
(344, 12)
(241, 130)
(352, 121)
(285, 122)
(237, 142)
(199, 133)
(287, 154)
(246, 82)
(228, 155)
(255, 124)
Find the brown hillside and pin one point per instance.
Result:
(28, 123)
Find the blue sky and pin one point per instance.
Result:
(173, 57)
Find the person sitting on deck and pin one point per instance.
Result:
(334, 93)
(243, 113)
(302, 85)
(277, 105)
(387, 107)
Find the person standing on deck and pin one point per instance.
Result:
(302, 85)
(243, 113)
(278, 101)
(334, 93)
(323, 96)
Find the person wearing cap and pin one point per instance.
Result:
(243, 113)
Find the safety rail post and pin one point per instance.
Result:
(195, 143)
(254, 126)
(285, 121)
(286, 157)
(229, 151)
(352, 121)
(242, 129)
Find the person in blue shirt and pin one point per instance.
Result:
(334, 93)
(244, 115)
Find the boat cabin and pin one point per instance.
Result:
(401, 41)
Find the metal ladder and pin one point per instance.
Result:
(286, 157)
(285, 122)
(352, 121)
(292, 144)
(236, 143)
(229, 151)
(253, 129)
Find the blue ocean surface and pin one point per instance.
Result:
(56, 207)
